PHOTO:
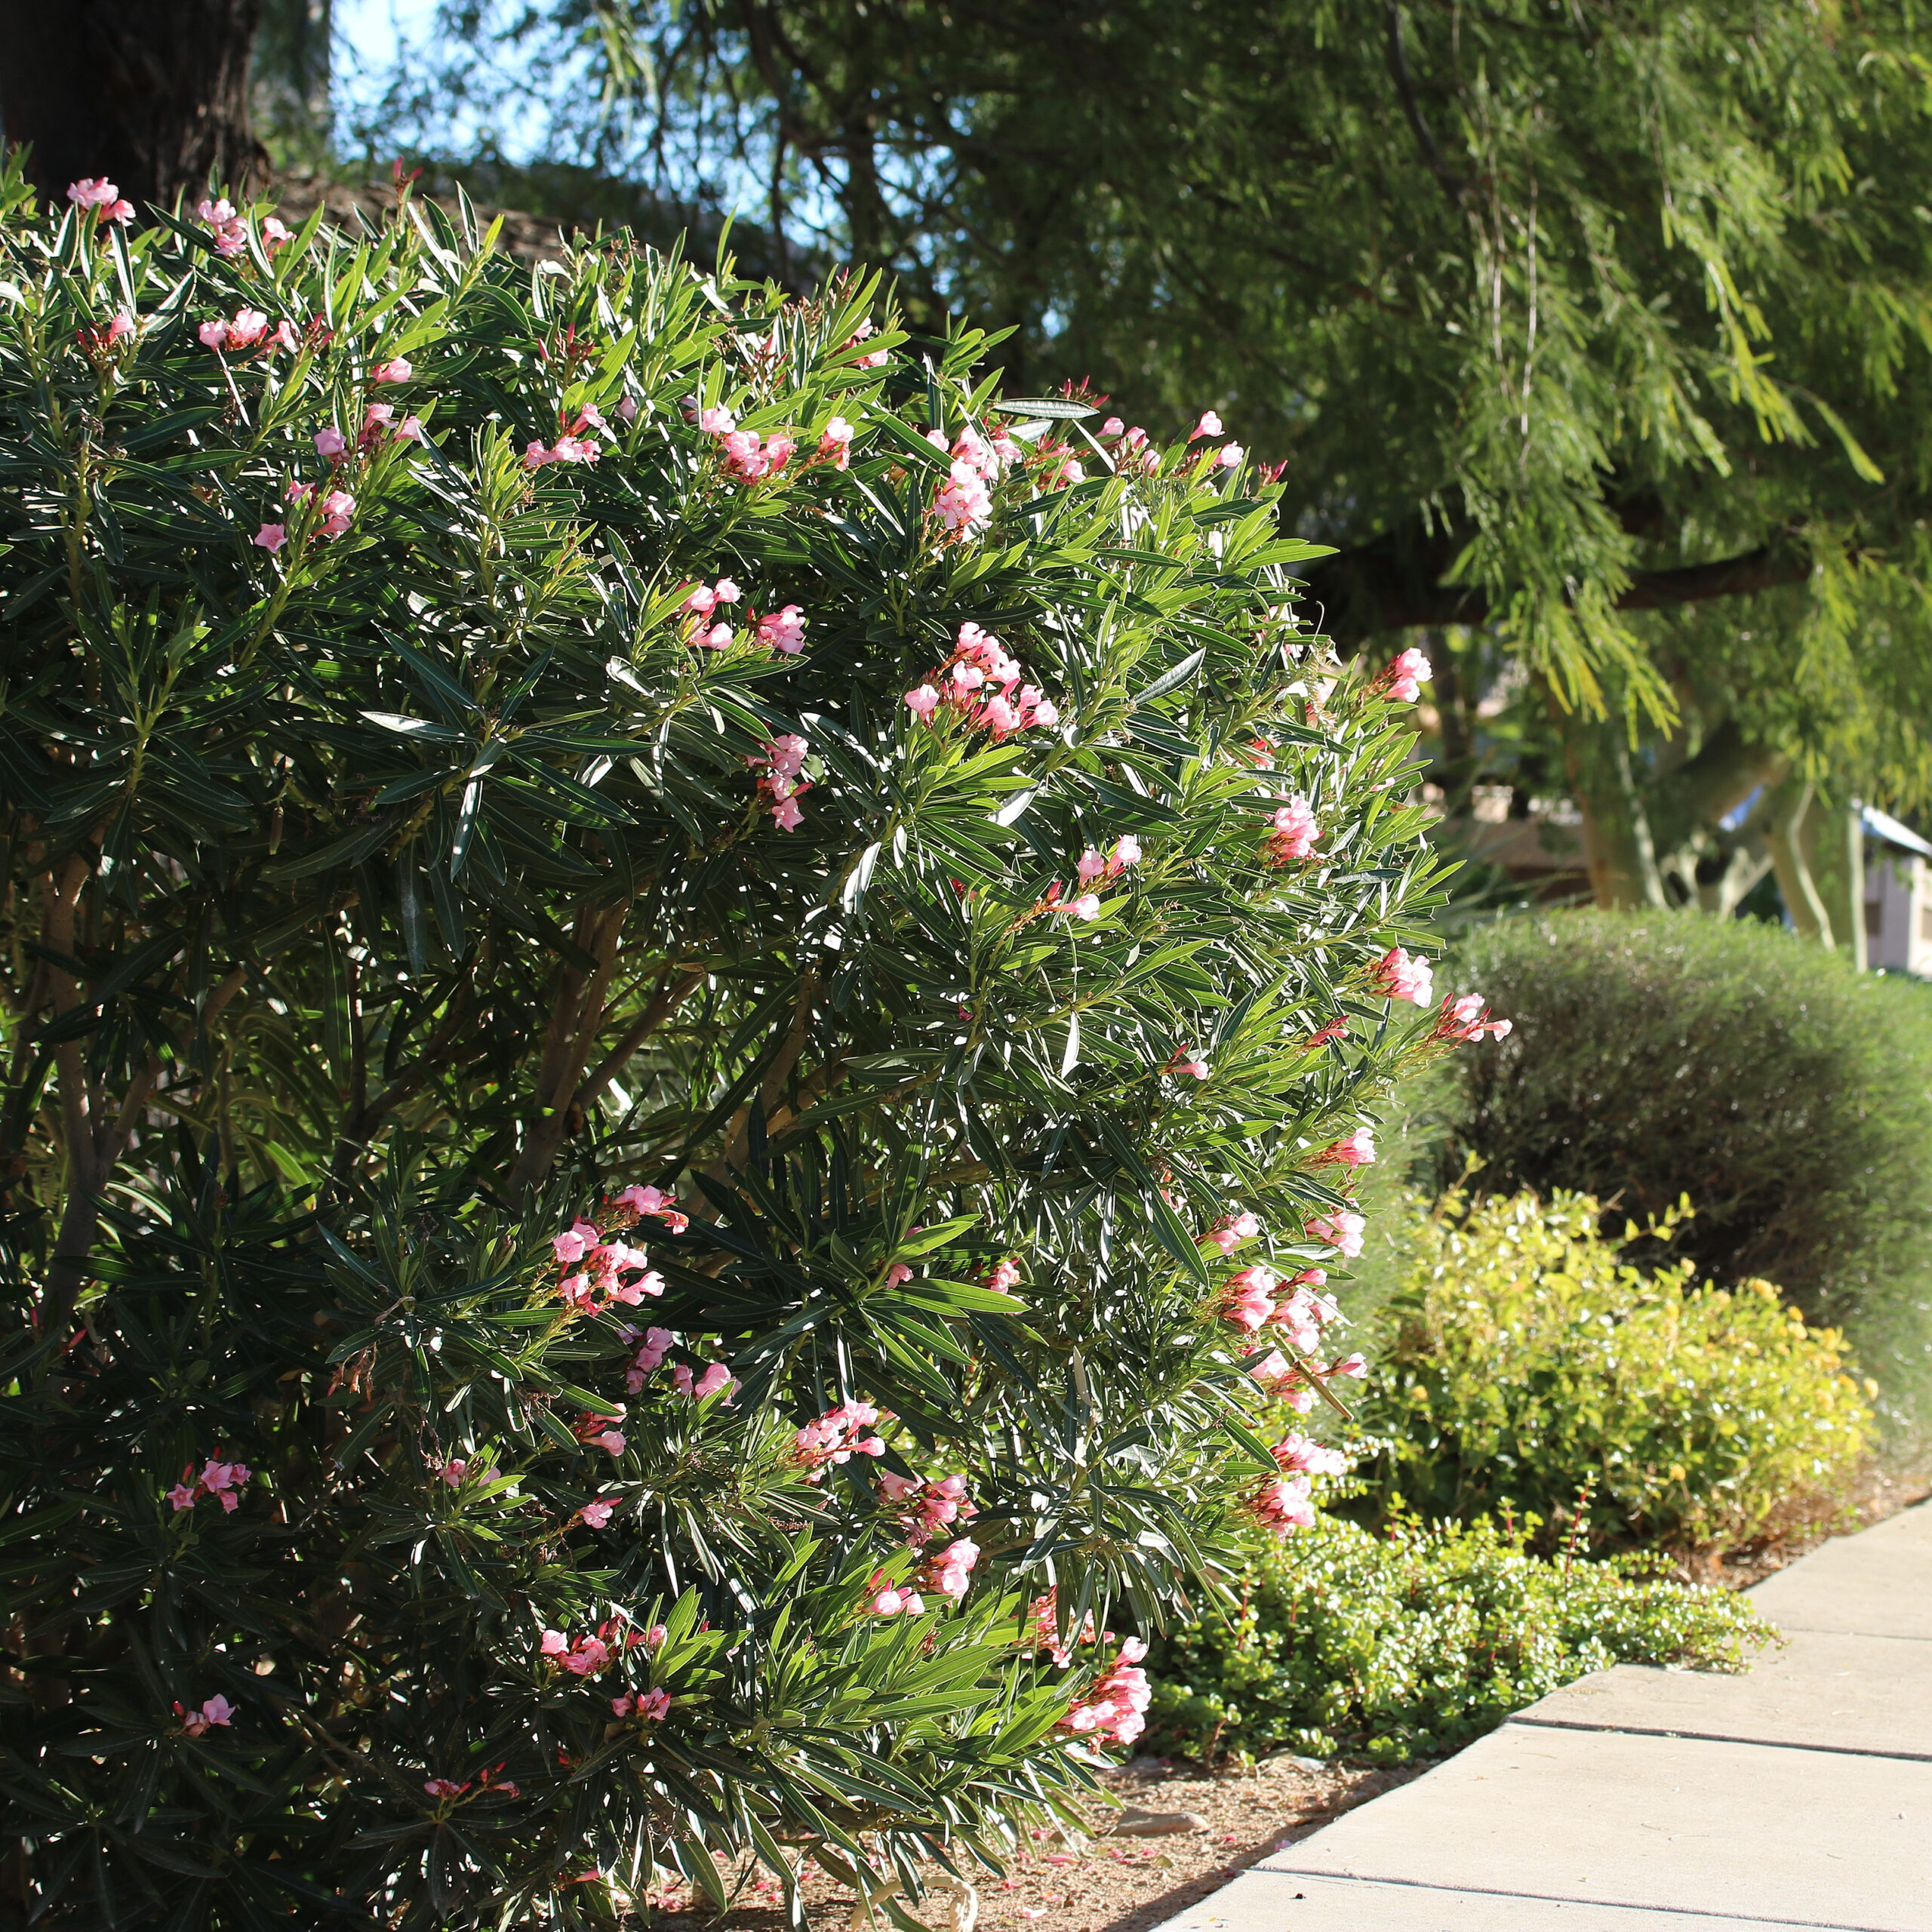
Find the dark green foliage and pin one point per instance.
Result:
(1657, 1058)
(381, 902)
(1415, 1641)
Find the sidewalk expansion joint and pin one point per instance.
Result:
(1716, 1737)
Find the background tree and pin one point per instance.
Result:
(1597, 332)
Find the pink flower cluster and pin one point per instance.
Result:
(652, 1204)
(1044, 1612)
(1248, 1299)
(886, 1599)
(1467, 1019)
(1397, 976)
(1293, 836)
(1293, 1382)
(701, 603)
(837, 1436)
(1092, 868)
(1298, 1455)
(377, 418)
(603, 1430)
(98, 192)
(647, 1707)
(963, 502)
(923, 1509)
(949, 1572)
(231, 229)
(834, 444)
(700, 1387)
(1342, 1229)
(1228, 1235)
(979, 683)
(569, 447)
(1404, 676)
(1114, 1707)
(873, 358)
(1282, 1504)
(447, 1789)
(248, 330)
(781, 784)
(782, 631)
(1132, 452)
(595, 1272)
(456, 1471)
(587, 1657)
(1005, 1277)
(198, 1724)
(225, 1480)
(657, 1343)
(1185, 1060)
(752, 458)
(1353, 1150)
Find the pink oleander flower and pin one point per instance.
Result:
(409, 429)
(1283, 1504)
(454, 1470)
(1227, 1235)
(231, 231)
(1468, 1019)
(962, 502)
(275, 236)
(1296, 1455)
(783, 631)
(949, 1574)
(122, 326)
(271, 537)
(338, 507)
(1113, 427)
(1354, 1150)
(1229, 455)
(575, 1242)
(588, 1657)
(1354, 1367)
(598, 1514)
(1113, 1707)
(1404, 677)
(897, 1273)
(835, 443)
(717, 422)
(612, 1441)
(627, 409)
(101, 195)
(1210, 425)
(1087, 906)
(1247, 1298)
(1090, 865)
(331, 442)
(1005, 1276)
(1294, 835)
(1397, 976)
(247, 328)
(397, 369)
(217, 1710)
(182, 1496)
(650, 1705)
(923, 702)
(1342, 1230)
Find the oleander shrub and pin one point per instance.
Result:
(1524, 1362)
(1654, 1057)
(657, 950)
(1414, 1640)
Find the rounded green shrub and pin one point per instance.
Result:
(1413, 1641)
(1524, 1363)
(1660, 1057)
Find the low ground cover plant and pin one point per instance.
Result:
(680, 991)
(1524, 1362)
(1414, 1639)
(1656, 1057)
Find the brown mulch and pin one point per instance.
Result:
(1110, 1882)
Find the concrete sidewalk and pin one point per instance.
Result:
(1799, 1795)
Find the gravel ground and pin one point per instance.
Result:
(1112, 1881)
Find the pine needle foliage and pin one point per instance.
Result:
(393, 880)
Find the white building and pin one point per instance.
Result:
(1898, 896)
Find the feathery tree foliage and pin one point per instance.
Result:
(1593, 334)
(459, 776)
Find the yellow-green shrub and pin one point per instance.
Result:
(1523, 1359)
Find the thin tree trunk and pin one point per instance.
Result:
(153, 94)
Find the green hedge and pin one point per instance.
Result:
(1658, 1056)
(1414, 1641)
